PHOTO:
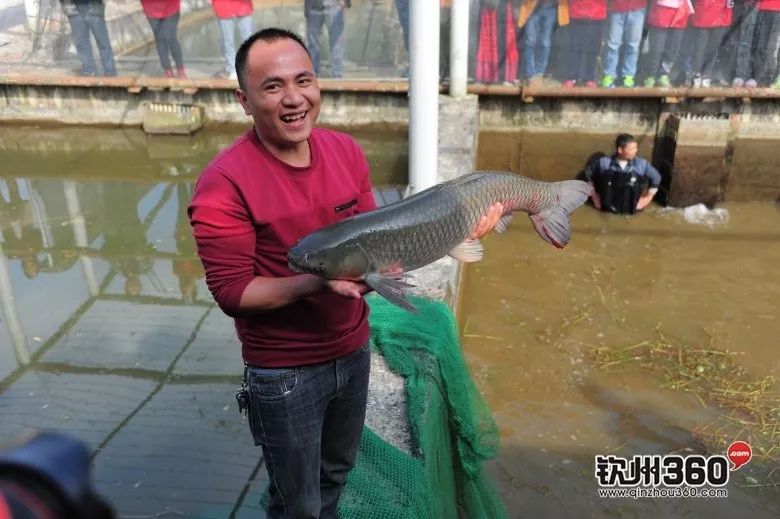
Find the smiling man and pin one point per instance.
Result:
(304, 339)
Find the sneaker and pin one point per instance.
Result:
(751, 83)
(591, 84)
(738, 82)
(706, 82)
(536, 82)
(649, 82)
(608, 81)
(628, 81)
(697, 81)
(664, 81)
(181, 73)
(569, 83)
(168, 72)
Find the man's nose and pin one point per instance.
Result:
(292, 96)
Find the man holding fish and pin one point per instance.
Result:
(304, 336)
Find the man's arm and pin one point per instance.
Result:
(654, 178)
(591, 170)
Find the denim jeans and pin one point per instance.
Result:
(309, 421)
(332, 16)
(537, 39)
(664, 49)
(86, 18)
(584, 46)
(767, 46)
(165, 39)
(707, 43)
(741, 35)
(402, 6)
(227, 27)
(625, 30)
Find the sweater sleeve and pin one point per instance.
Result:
(653, 176)
(225, 238)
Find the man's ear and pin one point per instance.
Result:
(241, 97)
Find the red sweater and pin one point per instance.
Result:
(232, 8)
(247, 210)
(665, 17)
(588, 9)
(769, 5)
(621, 6)
(711, 13)
(160, 8)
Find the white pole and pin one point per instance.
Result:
(80, 234)
(459, 47)
(11, 314)
(423, 94)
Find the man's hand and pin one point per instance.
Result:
(644, 201)
(594, 196)
(489, 221)
(346, 288)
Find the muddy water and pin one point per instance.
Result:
(107, 329)
(531, 316)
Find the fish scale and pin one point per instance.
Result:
(426, 226)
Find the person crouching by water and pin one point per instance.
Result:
(623, 183)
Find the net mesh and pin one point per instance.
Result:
(451, 426)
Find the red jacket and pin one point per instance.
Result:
(248, 209)
(232, 8)
(588, 9)
(769, 5)
(711, 13)
(621, 6)
(669, 17)
(160, 8)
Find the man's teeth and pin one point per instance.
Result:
(293, 118)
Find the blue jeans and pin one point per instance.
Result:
(537, 39)
(402, 6)
(309, 421)
(625, 30)
(333, 18)
(86, 18)
(227, 27)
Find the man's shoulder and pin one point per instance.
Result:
(236, 150)
(334, 140)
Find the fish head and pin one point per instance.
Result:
(330, 261)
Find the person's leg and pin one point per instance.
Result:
(711, 53)
(158, 26)
(80, 32)
(577, 33)
(549, 15)
(592, 43)
(342, 427)
(402, 7)
(743, 55)
(314, 20)
(657, 41)
(245, 27)
(171, 37)
(227, 31)
(670, 54)
(616, 24)
(97, 24)
(632, 36)
(336, 39)
(530, 41)
(772, 49)
(287, 409)
(700, 39)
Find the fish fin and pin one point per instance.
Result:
(391, 289)
(553, 225)
(468, 251)
(503, 223)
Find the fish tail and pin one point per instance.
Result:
(553, 224)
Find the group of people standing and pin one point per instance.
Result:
(692, 42)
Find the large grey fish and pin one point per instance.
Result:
(379, 246)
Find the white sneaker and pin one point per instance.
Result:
(751, 83)
(697, 81)
(706, 82)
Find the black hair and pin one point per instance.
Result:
(623, 140)
(268, 35)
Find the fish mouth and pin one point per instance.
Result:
(295, 268)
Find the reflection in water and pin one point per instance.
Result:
(108, 329)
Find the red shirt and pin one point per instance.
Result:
(231, 8)
(248, 209)
(769, 5)
(588, 9)
(621, 6)
(160, 8)
(711, 13)
(669, 17)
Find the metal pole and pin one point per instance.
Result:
(423, 94)
(459, 47)
(11, 314)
